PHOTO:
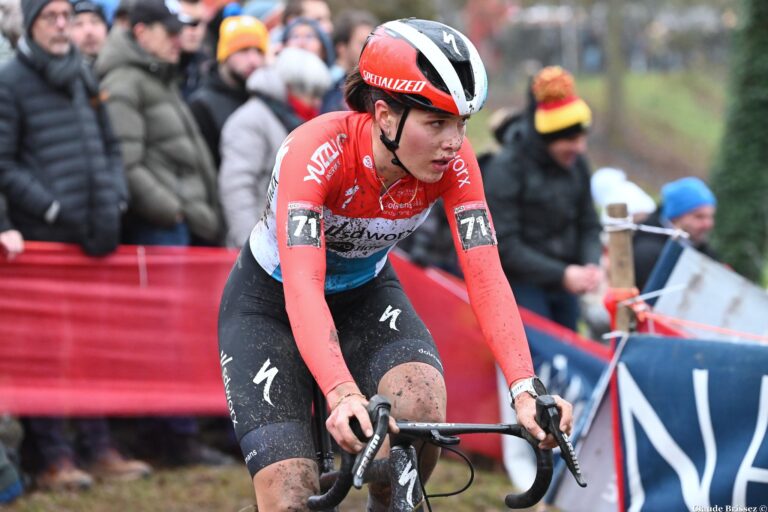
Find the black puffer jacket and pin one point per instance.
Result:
(211, 105)
(543, 214)
(5, 223)
(56, 145)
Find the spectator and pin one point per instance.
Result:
(122, 14)
(538, 191)
(308, 35)
(169, 169)
(252, 135)
(350, 32)
(243, 46)
(170, 172)
(11, 241)
(63, 179)
(195, 59)
(315, 10)
(686, 204)
(10, 27)
(11, 434)
(89, 29)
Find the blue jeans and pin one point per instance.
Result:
(142, 233)
(557, 305)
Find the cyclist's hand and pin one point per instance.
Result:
(525, 407)
(347, 402)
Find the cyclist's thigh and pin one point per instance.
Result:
(267, 385)
(380, 331)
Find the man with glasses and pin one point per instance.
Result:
(61, 174)
(195, 60)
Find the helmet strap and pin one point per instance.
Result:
(392, 145)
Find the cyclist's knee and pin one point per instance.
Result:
(285, 486)
(417, 392)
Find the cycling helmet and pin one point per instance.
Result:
(425, 64)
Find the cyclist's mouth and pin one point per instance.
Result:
(441, 164)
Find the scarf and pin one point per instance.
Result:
(60, 72)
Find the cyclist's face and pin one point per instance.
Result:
(429, 142)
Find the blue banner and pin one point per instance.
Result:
(693, 418)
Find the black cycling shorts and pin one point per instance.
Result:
(269, 388)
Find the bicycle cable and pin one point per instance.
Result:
(446, 494)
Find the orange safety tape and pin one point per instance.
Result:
(706, 327)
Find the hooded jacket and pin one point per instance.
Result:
(57, 145)
(167, 164)
(249, 143)
(543, 214)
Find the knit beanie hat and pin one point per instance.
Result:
(559, 111)
(684, 195)
(325, 38)
(241, 32)
(30, 9)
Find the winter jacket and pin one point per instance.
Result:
(647, 248)
(5, 223)
(56, 145)
(543, 214)
(249, 143)
(211, 105)
(168, 166)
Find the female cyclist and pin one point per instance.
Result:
(313, 296)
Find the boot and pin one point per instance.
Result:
(64, 476)
(110, 465)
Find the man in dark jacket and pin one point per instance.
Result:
(243, 45)
(686, 204)
(538, 190)
(61, 174)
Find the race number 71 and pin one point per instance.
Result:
(474, 228)
(303, 226)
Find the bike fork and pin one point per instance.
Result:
(404, 479)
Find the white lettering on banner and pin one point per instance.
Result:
(394, 84)
(634, 406)
(408, 476)
(747, 472)
(269, 376)
(392, 314)
(324, 157)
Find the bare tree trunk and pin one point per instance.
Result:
(615, 74)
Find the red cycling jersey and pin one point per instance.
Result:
(328, 228)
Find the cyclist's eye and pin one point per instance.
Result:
(437, 123)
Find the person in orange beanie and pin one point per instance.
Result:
(242, 49)
(538, 190)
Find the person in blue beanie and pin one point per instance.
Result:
(687, 204)
(307, 34)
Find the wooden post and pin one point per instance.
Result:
(622, 263)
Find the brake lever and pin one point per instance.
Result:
(548, 418)
(378, 410)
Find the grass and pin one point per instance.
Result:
(229, 490)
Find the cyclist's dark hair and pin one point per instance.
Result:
(362, 97)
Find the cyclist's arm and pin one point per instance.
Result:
(489, 291)
(301, 247)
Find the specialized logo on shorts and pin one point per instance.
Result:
(268, 374)
(394, 84)
(408, 477)
(473, 226)
(324, 158)
(392, 314)
(225, 360)
(304, 224)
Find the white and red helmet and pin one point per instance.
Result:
(425, 65)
